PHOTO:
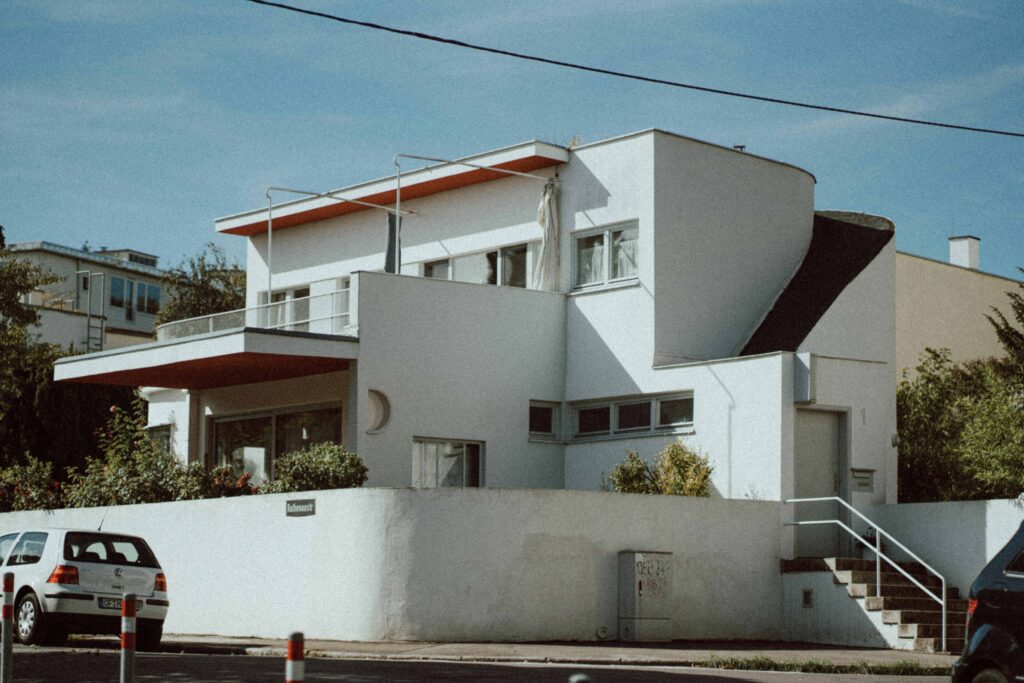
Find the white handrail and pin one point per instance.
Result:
(879, 556)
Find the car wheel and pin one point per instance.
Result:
(29, 621)
(148, 637)
(989, 676)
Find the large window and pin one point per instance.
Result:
(607, 255)
(543, 420)
(508, 266)
(440, 463)
(288, 309)
(251, 443)
(147, 298)
(634, 415)
(29, 549)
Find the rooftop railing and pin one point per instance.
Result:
(326, 313)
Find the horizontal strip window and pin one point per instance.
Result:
(634, 416)
(606, 255)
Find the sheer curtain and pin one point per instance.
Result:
(624, 253)
(590, 259)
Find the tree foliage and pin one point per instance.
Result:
(54, 422)
(1011, 337)
(202, 285)
(677, 471)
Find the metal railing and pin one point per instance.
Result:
(879, 555)
(327, 313)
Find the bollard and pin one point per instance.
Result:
(7, 653)
(128, 638)
(295, 666)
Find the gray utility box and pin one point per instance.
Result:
(645, 595)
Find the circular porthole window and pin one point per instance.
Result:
(379, 411)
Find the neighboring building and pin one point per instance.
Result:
(694, 294)
(104, 299)
(943, 305)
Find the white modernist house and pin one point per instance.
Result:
(667, 289)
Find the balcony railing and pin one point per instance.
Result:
(326, 313)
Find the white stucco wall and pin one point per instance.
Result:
(730, 231)
(738, 423)
(462, 362)
(446, 565)
(956, 538)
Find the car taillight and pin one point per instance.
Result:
(160, 585)
(972, 606)
(62, 573)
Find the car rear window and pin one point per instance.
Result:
(80, 546)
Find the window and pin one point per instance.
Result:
(250, 443)
(595, 420)
(508, 266)
(438, 463)
(543, 418)
(1015, 567)
(5, 544)
(288, 309)
(607, 255)
(161, 436)
(28, 550)
(129, 295)
(147, 298)
(634, 415)
(117, 292)
(100, 548)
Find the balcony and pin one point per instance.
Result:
(326, 313)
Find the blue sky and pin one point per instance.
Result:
(135, 124)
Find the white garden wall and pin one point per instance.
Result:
(449, 565)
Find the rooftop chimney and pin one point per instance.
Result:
(963, 251)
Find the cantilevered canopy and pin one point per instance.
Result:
(523, 158)
(216, 360)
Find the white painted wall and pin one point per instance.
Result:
(738, 422)
(834, 617)
(459, 361)
(956, 538)
(447, 565)
(731, 229)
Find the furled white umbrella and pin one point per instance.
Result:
(545, 271)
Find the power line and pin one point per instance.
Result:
(630, 76)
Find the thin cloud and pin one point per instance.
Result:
(957, 10)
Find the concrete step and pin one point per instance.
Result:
(873, 604)
(888, 578)
(954, 646)
(865, 590)
(909, 616)
(854, 564)
(953, 630)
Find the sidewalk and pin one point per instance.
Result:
(679, 653)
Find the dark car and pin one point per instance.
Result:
(994, 645)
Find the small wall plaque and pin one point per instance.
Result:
(300, 508)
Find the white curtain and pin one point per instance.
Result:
(624, 253)
(545, 270)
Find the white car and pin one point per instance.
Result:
(72, 580)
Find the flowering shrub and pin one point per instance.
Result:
(677, 471)
(29, 487)
(319, 466)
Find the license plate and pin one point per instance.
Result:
(110, 603)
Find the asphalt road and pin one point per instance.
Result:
(90, 667)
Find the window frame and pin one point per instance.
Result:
(553, 406)
(606, 232)
(615, 431)
(481, 460)
(272, 414)
(499, 268)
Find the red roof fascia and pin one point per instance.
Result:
(471, 176)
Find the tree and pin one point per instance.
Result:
(677, 471)
(1011, 338)
(202, 285)
(54, 422)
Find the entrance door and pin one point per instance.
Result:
(817, 473)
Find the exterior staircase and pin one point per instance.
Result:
(910, 619)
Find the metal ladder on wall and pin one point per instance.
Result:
(95, 325)
(879, 555)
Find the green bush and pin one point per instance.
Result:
(678, 471)
(132, 468)
(29, 487)
(319, 466)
